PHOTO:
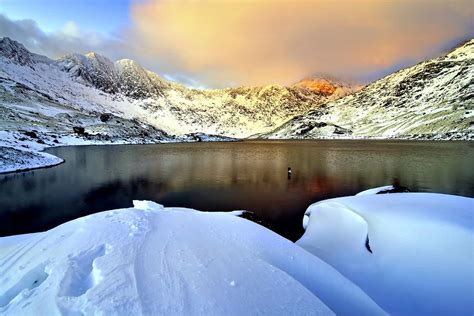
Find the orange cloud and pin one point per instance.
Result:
(261, 41)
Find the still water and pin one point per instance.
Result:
(250, 175)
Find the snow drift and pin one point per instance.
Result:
(154, 260)
(412, 253)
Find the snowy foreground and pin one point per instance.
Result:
(149, 259)
(421, 258)
(154, 260)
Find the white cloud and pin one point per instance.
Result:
(71, 29)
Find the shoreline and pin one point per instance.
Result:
(40, 148)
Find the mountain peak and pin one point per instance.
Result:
(8, 41)
(99, 58)
(326, 86)
(463, 51)
(17, 53)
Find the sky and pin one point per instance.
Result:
(220, 43)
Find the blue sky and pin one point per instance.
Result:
(105, 16)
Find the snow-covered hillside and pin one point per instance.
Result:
(434, 99)
(88, 85)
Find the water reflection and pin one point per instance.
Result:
(227, 176)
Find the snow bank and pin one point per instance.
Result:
(12, 159)
(154, 260)
(412, 253)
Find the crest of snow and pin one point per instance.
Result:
(376, 190)
(236, 213)
(147, 205)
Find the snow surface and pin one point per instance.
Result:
(421, 258)
(155, 260)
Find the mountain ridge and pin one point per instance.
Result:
(433, 99)
(127, 89)
(410, 103)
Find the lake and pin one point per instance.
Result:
(249, 175)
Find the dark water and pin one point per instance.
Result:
(227, 176)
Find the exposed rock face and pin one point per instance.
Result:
(431, 100)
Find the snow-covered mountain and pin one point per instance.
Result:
(434, 99)
(92, 84)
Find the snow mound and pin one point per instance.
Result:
(412, 253)
(155, 260)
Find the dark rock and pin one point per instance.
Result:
(31, 134)
(367, 244)
(105, 117)
(251, 216)
(40, 141)
(397, 188)
(78, 130)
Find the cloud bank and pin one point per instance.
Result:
(259, 42)
(219, 43)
